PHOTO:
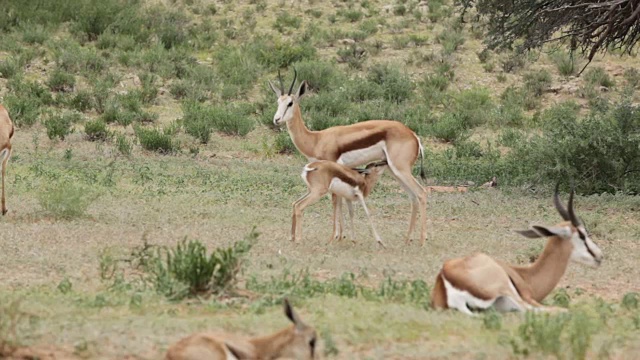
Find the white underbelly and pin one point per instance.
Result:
(343, 189)
(459, 299)
(363, 156)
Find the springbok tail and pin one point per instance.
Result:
(421, 153)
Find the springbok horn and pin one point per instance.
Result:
(558, 204)
(572, 214)
(280, 81)
(295, 76)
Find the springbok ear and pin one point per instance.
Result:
(561, 231)
(531, 234)
(237, 352)
(288, 310)
(275, 89)
(302, 90)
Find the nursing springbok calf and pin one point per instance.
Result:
(295, 342)
(478, 282)
(324, 177)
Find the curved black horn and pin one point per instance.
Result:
(556, 201)
(572, 214)
(295, 76)
(280, 81)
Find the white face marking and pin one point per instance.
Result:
(343, 189)
(459, 299)
(363, 156)
(585, 251)
(285, 110)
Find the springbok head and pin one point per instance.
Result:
(288, 100)
(584, 250)
(303, 341)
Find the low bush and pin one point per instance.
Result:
(60, 80)
(320, 75)
(199, 119)
(10, 67)
(278, 54)
(565, 62)
(598, 76)
(96, 130)
(537, 82)
(65, 200)
(81, 101)
(449, 128)
(396, 84)
(285, 20)
(473, 107)
(59, 125)
(155, 140)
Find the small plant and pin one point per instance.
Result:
(396, 84)
(598, 76)
(330, 348)
(450, 40)
(581, 330)
(561, 298)
(65, 285)
(59, 80)
(492, 320)
(59, 126)
(565, 63)
(82, 101)
(631, 301)
(96, 130)
(155, 140)
(632, 76)
(9, 68)
(537, 82)
(542, 331)
(285, 20)
(449, 128)
(65, 200)
(123, 145)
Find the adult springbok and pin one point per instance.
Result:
(295, 342)
(6, 133)
(478, 281)
(324, 177)
(358, 144)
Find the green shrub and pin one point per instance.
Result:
(34, 33)
(537, 82)
(449, 128)
(149, 90)
(352, 55)
(598, 76)
(96, 130)
(155, 140)
(197, 120)
(65, 200)
(59, 80)
(474, 107)
(123, 145)
(543, 332)
(433, 86)
(283, 143)
(450, 40)
(359, 90)
(237, 66)
(92, 18)
(187, 269)
(320, 75)
(10, 67)
(286, 20)
(581, 330)
(396, 84)
(565, 62)
(59, 125)
(632, 76)
(279, 54)
(82, 101)
(23, 110)
(631, 300)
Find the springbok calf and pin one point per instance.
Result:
(478, 281)
(6, 133)
(324, 177)
(295, 342)
(356, 145)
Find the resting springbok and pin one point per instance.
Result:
(356, 145)
(478, 281)
(6, 133)
(295, 342)
(324, 177)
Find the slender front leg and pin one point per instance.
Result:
(5, 160)
(294, 218)
(336, 201)
(298, 207)
(366, 211)
(351, 227)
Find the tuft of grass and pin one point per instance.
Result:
(65, 200)
(60, 80)
(598, 76)
(59, 125)
(10, 67)
(96, 130)
(565, 63)
(155, 140)
(537, 82)
(123, 145)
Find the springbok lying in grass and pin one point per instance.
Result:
(478, 281)
(295, 342)
(324, 177)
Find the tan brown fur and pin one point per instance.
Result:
(6, 133)
(402, 151)
(487, 279)
(319, 176)
(293, 342)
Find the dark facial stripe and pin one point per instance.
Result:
(584, 240)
